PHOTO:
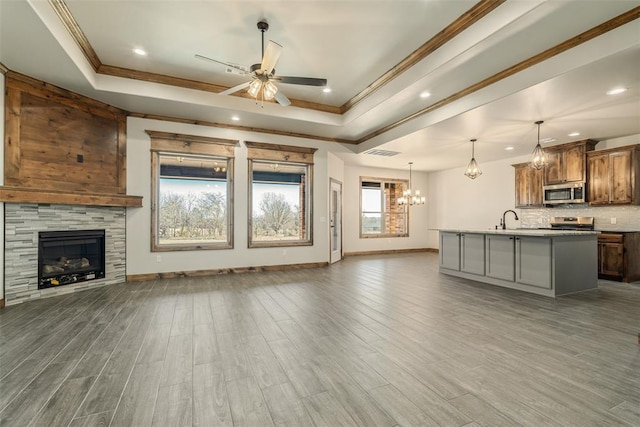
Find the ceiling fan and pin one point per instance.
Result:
(261, 85)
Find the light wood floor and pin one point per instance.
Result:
(371, 341)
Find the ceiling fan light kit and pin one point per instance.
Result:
(261, 87)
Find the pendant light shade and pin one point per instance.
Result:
(538, 157)
(473, 170)
(410, 197)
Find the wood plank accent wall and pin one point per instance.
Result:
(59, 141)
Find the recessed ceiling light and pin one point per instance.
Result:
(508, 148)
(574, 134)
(235, 118)
(140, 52)
(425, 94)
(326, 90)
(547, 140)
(616, 90)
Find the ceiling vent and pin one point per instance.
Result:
(384, 153)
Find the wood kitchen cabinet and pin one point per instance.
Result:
(613, 176)
(567, 162)
(528, 186)
(619, 256)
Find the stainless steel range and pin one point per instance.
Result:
(585, 223)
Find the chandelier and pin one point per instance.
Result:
(538, 157)
(409, 197)
(473, 170)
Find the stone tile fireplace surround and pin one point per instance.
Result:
(23, 221)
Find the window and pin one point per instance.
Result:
(192, 192)
(280, 201)
(380, 214)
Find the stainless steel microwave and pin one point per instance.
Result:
(574, 192)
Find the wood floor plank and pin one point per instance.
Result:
(401, 409)
(248, 407)
(174, 405)
(365, 341)
(95, 420)
(154, 346)
(61, 407)
(298, 368)
(326, 411)
(182, 322)
(359, 404)
(26, 405)
(286, 407)
(107, 389)
(137, 404)
(266, 369)
(178, 364)
(420, 394)
(629, 412)
(234, 360)
(205, 344)
(210, 398)
(481, 411)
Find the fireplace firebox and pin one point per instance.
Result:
(66, 257)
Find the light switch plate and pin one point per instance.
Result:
(614, 220)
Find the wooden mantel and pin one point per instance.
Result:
(31, 195)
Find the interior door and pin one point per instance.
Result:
(335, 221)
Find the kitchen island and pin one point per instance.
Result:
(544, 262)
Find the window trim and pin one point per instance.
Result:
(362, 235)
(164, 143)
(259, 151)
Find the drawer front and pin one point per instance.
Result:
(610, 238)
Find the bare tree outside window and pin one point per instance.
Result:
(280, 210)
(193, 194)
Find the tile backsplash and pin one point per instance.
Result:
(627, 218)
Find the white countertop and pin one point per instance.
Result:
(521, 232)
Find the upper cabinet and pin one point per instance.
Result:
(567, 162)
(528, 186)
(613, 176)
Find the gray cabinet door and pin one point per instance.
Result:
(500, 252)
(472, 253)
(450, 250)
(533, 261)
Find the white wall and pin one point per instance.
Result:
(2, 183)
(418, 215)
(476, 203)
(457, 201)
(141, 260)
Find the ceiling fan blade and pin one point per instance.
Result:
(307, 81)
(282, 99)
(240, 68)
(271, 56)
(235, 88)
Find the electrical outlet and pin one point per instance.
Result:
(614, 220)
(158, 258)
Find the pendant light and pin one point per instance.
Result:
(473, 170)
(538, 157)
(409, 197)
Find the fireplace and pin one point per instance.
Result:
(66, 257)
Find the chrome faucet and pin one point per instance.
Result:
(503, 221)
